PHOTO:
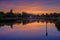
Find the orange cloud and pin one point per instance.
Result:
(34, 8)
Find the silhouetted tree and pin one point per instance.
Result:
(1, 15)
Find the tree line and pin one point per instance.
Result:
(24, 15)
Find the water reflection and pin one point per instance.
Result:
(46, 27)
(24, 22)
(57, 24)
(30, 26)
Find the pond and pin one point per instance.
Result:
(29, 30)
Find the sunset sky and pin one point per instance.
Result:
(30, 6)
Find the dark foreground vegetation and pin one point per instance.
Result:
(26, 16)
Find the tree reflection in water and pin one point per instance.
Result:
(24, 22)
(57, 24)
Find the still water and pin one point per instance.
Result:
(29, 31)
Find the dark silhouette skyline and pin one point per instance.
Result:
(11, 18)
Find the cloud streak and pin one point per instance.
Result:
(33, 6)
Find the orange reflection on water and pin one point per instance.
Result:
(30, 26)
(35, 26)
(5, 30)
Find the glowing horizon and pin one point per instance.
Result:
(30, 6)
